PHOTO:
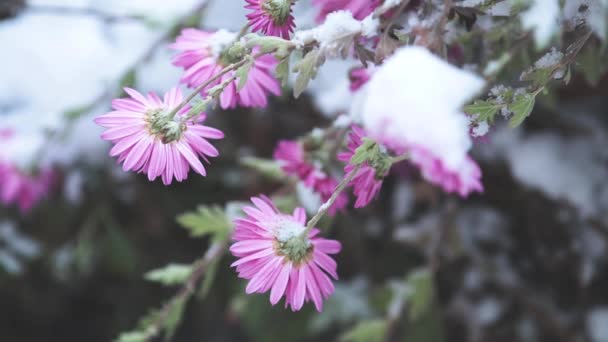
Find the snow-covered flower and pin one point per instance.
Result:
(293, 161)
(276, 254)
(22, 188)
(366, 183)
(359, 8)
(413, 103)
(272, 17)
(146, 139)
(204, 54)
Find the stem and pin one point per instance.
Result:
(204, 85)
(215, 77)
(325, 207)
(395, 160)
(215, 251)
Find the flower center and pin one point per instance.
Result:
(291, 243)
(163, 127)
(278, 10)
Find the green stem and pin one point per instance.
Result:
(395, 160)
(215, 77)
(325, 207)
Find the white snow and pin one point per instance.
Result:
(416, 98)
(597, 325)
(337, 32)
(220, 40)
(549, 59)
(481, 129)
(595, 13)
(543, 18)
(571, 169)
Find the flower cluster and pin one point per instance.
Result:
(293, 160)
(277, 253)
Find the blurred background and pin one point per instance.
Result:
(524, 261)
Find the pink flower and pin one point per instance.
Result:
(359, 8)
(366, 185)
(464, 180)
(358, 77)
(6, 133)
(276, 254)
(24, 190)
(292, 158)
(204, 54)
(146, 140)
(272, 17)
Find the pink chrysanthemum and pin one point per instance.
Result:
(147, 140)
(277, 255)
(358, 77)
(272, 17)
(204, 54)
(366, 184)
(359, 8)
(292, 158)
(22, 189)
(465, 180)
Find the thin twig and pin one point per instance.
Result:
(325, 206)
(81, 11)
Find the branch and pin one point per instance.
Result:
(215, 251)
(80, 11)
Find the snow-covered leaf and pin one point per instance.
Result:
(521, 107)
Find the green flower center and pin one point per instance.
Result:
(278, 10)
(290, 242)
(163, 127)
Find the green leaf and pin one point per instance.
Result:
(172, 274)
(118, 251)
(133, 336)
(539, 76)
(307, 70)
(420, 298)
(591, 64)
(366, 331)
(129, 80)
(365, 152)
(484, 109)
(208, 280)
(266, 43)
(521, 107)
(266, 167)
(281, 72)
(198, 107)
(206, 221)
(75, 113)
(242, 73)
(174, 316)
